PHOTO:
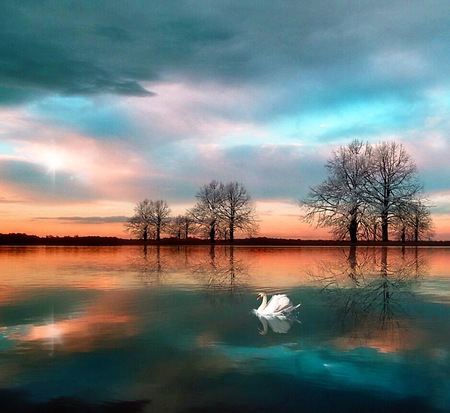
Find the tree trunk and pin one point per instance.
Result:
(212, 232)
(384, 227)
(353, 230)
(145, 234)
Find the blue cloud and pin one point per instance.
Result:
(42, 184)
(91, 116)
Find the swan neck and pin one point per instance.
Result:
(264, 303)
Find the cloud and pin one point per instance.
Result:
(269, 171)
(88, 220)
(113, 48)
(94, 116)
(35, 182)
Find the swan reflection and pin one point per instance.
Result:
(278, 324)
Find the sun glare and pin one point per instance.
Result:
(54, 161)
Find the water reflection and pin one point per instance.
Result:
(218, 271)
(112, 338)
(369, 289)
(150, 265)
(279, 324)
(222, 274)
(104, 322)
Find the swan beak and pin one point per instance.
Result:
(259, 296)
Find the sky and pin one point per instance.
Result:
(104, 104)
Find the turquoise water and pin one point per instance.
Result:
(171, 329)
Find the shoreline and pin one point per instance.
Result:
(34, 240)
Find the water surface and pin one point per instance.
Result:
(171, 329)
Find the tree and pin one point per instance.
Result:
(236, 209)
(392, 183)
(224, 209)
(338, 202)
(149, 219)
(160, 213)
(413, 222)
(138, 225)
(421, 223)
(182, 226)
(206, 210)
(370, 191)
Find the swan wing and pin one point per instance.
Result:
(277, 303)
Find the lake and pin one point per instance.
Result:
(171, 329)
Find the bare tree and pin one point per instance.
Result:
(236, 209)
(338, 202)
(182, 226)
(206, 210)
(413, 222)
(222, 209)
(149, 219)
(160, 213)
(139, 224)
(369, 190)
(392, 183)
(421, 224)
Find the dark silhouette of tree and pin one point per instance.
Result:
(182, 226)
(206, 210)
(149, 220)
(236, 209)
(421, 223)
(370, 191)
(413, 221)
(338, 202)
(392, 184)
(223, 209)
(138, 225)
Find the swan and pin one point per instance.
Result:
(278, 305)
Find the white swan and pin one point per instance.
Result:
(279, 304)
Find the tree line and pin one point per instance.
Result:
(372, 192)
(222, 209)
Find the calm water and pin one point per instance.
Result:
(171, 329)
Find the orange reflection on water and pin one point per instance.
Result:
(104, 321)
(391, 339)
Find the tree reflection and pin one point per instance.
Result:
(218, 270)
(150, 265)
(222, 274)
(370, 288)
